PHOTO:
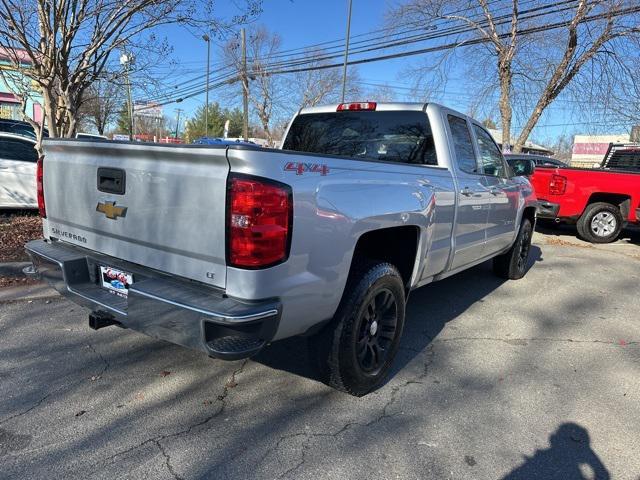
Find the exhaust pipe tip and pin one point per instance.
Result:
(557, 220)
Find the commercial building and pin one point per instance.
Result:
(10, 101)
(589, 150)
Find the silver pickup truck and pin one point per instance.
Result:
(227, 248)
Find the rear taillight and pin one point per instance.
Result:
(557, 184)
(356, 106)
(259, 215)
(40, 187)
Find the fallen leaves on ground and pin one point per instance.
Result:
(16, 281)
(15, 231)
(565, 243)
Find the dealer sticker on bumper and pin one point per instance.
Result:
(116, 281)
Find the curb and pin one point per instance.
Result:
(27, 292)
(13, 269)
(23, 292)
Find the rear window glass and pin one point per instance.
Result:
(14, 149)
(393, 136)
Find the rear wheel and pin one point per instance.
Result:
(601, 222)
(512, 265)
(355, 351)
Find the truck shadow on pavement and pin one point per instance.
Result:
(429, 309)
(569, 457)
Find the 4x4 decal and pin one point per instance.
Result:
(301, 167)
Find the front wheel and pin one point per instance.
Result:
(512, 265)
(355, 351)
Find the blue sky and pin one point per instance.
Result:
(299, 23)
(306, 22)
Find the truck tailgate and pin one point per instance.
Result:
(174, 199)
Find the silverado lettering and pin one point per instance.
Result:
(72, 236)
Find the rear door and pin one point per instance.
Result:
(504, 193)
(18, 159)
(158, 206)
(473, 196)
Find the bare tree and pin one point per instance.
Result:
(102, 103)
(383, 93)
(63, 46)
(323, 85)
(267, 93)
(532, 65)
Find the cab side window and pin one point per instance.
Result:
(462, 144)
(490, 157)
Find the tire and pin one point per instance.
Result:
(601, 222)
(356, 349)
(512, 265)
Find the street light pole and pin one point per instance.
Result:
(245, 88)
(206, 107)
(346, 53)
(179, 111)
(126, 60)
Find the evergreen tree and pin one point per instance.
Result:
(122, 123)
(195, 126)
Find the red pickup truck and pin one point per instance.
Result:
(600, 202)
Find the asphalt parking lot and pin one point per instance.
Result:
(538, 378)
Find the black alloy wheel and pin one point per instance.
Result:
(376, 331)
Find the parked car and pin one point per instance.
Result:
(18, 127)
(18, 158)
(227, 248)
(221, 141)
(538, 160)
(600, 202)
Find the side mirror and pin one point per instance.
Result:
(522, 167)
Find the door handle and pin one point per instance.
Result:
(466, 191)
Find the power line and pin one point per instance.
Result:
(448, 46)
(397, 42)
(340, 42)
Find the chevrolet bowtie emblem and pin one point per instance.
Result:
(110, 210)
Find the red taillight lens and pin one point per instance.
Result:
(40, 187)
(357, 106)
(557, 184)
(258, 222)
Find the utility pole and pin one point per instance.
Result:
(206, 107)
(346, 53)
(178, 111)
(245, 88)
(126, 60)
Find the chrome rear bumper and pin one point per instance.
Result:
(179, 311)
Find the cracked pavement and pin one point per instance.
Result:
(537, 378)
